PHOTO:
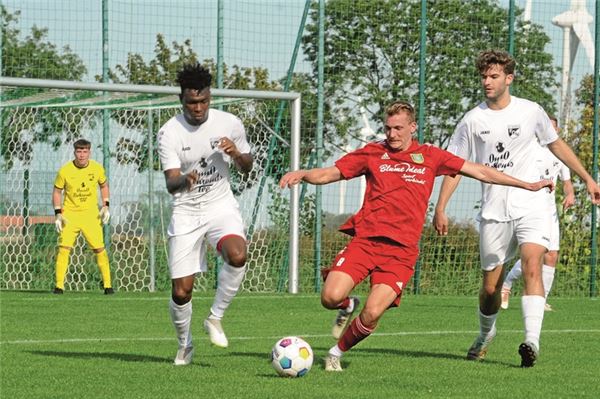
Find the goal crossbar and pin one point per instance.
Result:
(293, 97)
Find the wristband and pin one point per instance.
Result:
(57, 211)
(106, 202)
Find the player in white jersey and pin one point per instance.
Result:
(552, 168)
(195, 150)
(505, 132)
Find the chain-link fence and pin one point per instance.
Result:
(370, 52)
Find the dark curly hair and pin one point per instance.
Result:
(194, 76)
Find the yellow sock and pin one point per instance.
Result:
(102, 259)
(62, 264)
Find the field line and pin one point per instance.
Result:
(248, 338)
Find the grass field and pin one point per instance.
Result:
(86, 345)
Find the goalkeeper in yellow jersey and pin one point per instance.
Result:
(79, 211)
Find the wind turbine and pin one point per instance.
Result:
(365, 133)
(575, 23)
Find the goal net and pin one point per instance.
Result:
(41, 119)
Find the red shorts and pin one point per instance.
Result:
(386, 262)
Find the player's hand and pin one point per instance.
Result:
(59, 222)
(568, 202)
(440, 223)
(228, 147)
(594, 191)
(541, 184)
(191, 179)
(104, 214)
(291, 178)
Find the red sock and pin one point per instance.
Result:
(354, 334)
(344, 304)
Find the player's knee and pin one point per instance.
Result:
(488, 291)
(181, 295)
(236, 258)
(370, 315)
(330, 300)
(98, 250)
(551, 258)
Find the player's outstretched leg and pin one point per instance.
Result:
(229, 281)
(342, 319)
(355, 333)
(480, 346)
(181, 316)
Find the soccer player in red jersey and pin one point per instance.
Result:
(385, 232)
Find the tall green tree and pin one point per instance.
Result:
(258, 117)
(35, 57)
(372, 58)
(576, 225)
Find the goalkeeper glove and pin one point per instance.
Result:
(104, 214)
(59, 222)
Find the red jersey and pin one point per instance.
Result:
(399, 184)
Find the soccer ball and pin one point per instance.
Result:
(292, 357)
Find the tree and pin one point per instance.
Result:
(576, 222)
(372, 57)
(162, 70)
(34, 57)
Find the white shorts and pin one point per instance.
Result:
(187, 234)
(499, 241)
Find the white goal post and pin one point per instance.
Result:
(33, 100)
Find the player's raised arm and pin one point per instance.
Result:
(313, 176)
(492, 176)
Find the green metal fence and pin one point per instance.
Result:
(348, 59)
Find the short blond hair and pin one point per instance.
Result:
(401, 106)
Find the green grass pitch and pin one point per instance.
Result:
(87, 345)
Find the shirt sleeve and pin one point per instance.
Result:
(238, 136)
(59, 181)
(449, 164)
(460, 143)
(166, 151)
(564, 173)
(543, 128)
(101, 175)
(353, 164)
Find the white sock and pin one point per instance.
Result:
(229, 281)
(336, 351)
(181, 316)
(547, 278)
(513, 275)
(486, 323)
(533, 315)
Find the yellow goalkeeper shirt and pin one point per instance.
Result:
(80, 185)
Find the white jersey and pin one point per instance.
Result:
(509, 141)
(188, 147)
(550, 167)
